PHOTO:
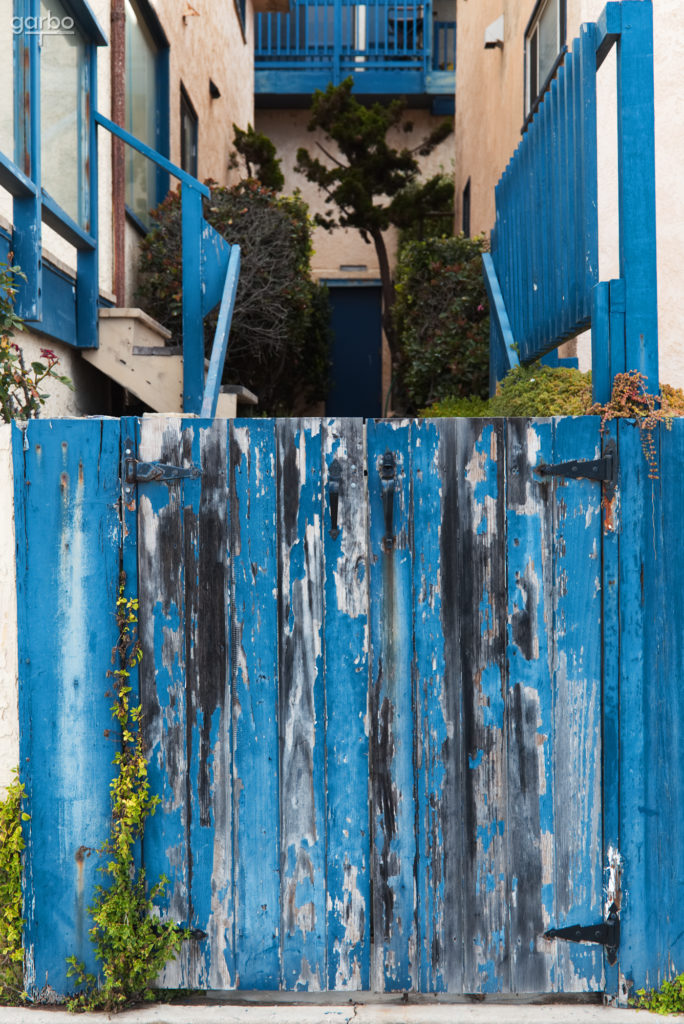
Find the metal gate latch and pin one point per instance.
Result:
(604, 469)
(607, 934)
(136, 472)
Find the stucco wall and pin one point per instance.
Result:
(489, 116)
(9, 716)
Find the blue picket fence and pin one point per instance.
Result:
(543, 274)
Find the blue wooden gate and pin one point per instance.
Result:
(372, 695)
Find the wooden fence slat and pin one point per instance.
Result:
(393, 840)
(254, 642)
(528, 705)
(302, 705)
(577, 704)
(67, 485)
(162, 673)
(346, 688)
(207, 645)
(438, 716)
(474, 522)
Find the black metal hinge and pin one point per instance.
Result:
(606, 933)
(136, 472)
(604, 470)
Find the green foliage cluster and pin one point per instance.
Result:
(11, 922)
(21, 394)
(130, 941)
(279, 340)
(669, 998)
(259, 155)
(534, 390)
(442, 321)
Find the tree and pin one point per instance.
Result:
(259, 154)
(371, 183)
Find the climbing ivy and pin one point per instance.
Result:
(11, 922)
(130, 941)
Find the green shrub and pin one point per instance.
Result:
(279, 339)
(442, 321)
(534, 390)
(669, 998)
(11, 923)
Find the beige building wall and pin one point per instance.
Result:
(489, 118)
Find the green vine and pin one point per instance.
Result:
(130, 941)
(11, 922)
(669, 998)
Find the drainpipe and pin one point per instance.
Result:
(118, 86)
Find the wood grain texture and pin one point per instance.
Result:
(254, 641)
(302, 705)
(161, 586)
(346, 643)
(393, 848)
(68, 532)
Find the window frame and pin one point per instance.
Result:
(162, 126)
(534, 89)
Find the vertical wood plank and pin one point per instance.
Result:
(254, 641)
(438, 716)
(393, 848)
(68, 533)
(577, 705)
(302, 708)
(475, 500)
(161, 579)
(346, 687)
(529, 704)
(207, 645)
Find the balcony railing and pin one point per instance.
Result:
(327, 41)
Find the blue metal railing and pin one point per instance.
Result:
(542, 274)
(210, 275)
(342, 37)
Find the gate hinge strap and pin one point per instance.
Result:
(146, 472)
(603, 469)
(606, 933)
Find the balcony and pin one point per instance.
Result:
(388, 48)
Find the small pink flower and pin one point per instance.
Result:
(47, 353)
(480, 308)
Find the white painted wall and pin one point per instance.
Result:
(9, 713)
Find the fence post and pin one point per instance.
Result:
(193, 326)
(636, 170)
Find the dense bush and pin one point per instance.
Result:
(279, 339)
(527, 391)
(442, 320)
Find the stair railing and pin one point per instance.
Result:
(210, 275)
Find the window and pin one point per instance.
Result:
(189, 132)
(544, 42)
(146, 108)
(63, 111)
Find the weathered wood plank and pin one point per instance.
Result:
(475, 501)
(68, 531)
(207, 645)
(254, 642)
(577, 705)
(161, 577)
(302, 705)
(438, 716)
(529, 705)
(393, 848)
(346, 688)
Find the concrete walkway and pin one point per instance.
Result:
(370, 1013)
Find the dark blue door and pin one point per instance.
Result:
(356, 376)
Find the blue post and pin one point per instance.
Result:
(87, 276)
(218, 354)
(193, 326)
(27, 238)
(636, 167)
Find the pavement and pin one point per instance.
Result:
(372, 1012)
